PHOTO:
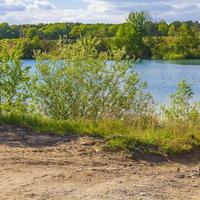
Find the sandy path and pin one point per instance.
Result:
(46, 167)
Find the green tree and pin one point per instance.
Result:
(112, 29)
(14, 81)
(130, 35)
(163, 28)
(172, 30)
(187, 42)
(151, 29)
(14, 31)
(54, 31)
(180, 107)
(4, 30)
(29, 46)
(31, 32)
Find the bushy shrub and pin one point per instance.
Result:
(82, 83)
(14, 81)
(181, 108)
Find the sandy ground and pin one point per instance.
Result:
(41, 167)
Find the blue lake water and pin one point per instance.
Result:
(163, 76)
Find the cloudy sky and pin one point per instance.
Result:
(91, 11)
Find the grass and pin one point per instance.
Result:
(119, 135)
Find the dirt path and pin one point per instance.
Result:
(47, 167)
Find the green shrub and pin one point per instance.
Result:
(14, 81)
(81, 83)
(181, 108)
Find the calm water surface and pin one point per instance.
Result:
(163, 76)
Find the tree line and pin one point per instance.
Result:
(139, 35)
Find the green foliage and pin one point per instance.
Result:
(84, 94)
(138, 21)
(54, 31)
(139, 35)
(85, 85)
(163, 28)
(14, 81)
(31, 33)
(118, 134)
(180, 44)
(130, 35)
(181, 108)
(29, 46)
(151, 29)
(172, 30)
(187, 42)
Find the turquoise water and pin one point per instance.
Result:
(163, 76)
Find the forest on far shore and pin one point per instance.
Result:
(139, 35)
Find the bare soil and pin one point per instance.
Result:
(50, 167)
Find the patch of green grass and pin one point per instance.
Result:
(118, 134)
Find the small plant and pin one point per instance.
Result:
(181, 108)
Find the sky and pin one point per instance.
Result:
(94, 11)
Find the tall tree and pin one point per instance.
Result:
(130, 34)
(163, 28)
(172, 30)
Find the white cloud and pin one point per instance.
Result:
(39, 5)
(23, 11)
(114, 11)
(23, 5)
(160, 9)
